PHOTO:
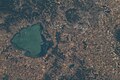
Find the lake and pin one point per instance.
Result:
(32, 41)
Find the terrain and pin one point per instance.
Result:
(75, 40)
